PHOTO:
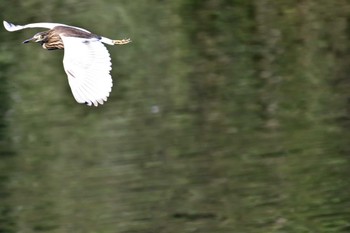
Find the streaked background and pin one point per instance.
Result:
(225, 116)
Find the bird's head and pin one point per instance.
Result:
(40, 37)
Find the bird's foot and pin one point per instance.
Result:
(123, 41)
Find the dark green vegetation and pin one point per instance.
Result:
(226, 116)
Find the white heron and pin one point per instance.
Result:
(86, 60)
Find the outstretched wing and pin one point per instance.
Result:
(87, 64)
(11, 27)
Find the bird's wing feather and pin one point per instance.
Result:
(12, 27)
(87, 64)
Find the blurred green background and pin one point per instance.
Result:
(225, 116)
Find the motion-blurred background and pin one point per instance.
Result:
(225, 116)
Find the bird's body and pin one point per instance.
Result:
(86, 60)
(53, 37)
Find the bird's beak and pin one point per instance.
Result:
(26, 41)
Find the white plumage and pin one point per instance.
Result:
(86, 60)
(87, 64)
(11, 27)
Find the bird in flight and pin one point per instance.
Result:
(86, 60)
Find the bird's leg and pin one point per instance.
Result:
(123, 41)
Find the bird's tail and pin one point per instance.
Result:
(114, 42)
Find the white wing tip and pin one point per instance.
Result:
(9, 26)
(95, 102)
(83, 97)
